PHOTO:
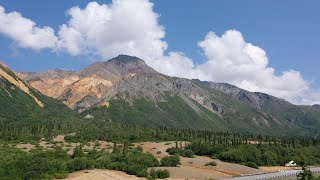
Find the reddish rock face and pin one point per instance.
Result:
(91, 86)
(124, 76)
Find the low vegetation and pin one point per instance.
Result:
(180, 152)
(251, 164)
(158, 174)
(170, 161)
(254, 155)
(56, 163)
(212, 163)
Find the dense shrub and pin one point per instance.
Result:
(180, 152)
(134, 162)
(139, 170)
(170, 161)
(146, 159)
(118, 166)
(159, 173)
(212, 163)
(80, 163)
(187, 153)
(142, 173)
(16, 164)
(162, 174)
(235, 156)
(60, 175)
(251, 164)
(103, 162)
(78, 152)
(173, 150)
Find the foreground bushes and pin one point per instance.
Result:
(80, 163)
(49, 164)
(170, 161)
(251, 164)
(212, 163)
(181, 152)
(38, 164)
(161, 174)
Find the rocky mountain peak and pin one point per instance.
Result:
(125, 59)
(119, 67)
(317, 106)
(127, 64)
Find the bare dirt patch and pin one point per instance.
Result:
(158, 149)
(234, 169)
(187, 172)
(25, 147)
(98, 174)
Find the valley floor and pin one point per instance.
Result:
(190, 168)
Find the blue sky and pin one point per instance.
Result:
(288, 31)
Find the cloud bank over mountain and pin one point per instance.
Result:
(131, 27)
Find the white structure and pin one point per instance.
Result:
(291, 164)
(89, 117)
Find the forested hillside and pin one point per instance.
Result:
(25, 111)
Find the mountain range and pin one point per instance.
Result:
(126, 90)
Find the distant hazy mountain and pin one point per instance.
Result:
(125, 89)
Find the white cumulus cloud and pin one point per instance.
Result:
(123, 27)
(230, 59)
(24, 31)
(131, 27)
